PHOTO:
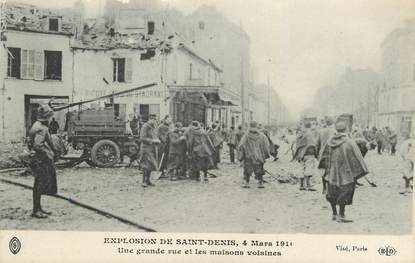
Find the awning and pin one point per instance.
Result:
(211, 93)
(215, 99)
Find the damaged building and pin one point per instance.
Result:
(69, 58)
(37, 63)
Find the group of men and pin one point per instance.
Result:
(385, 139)
(333, 150)
(189, 152)
(338, 149)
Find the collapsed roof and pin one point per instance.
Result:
(24, 17)
(102, 34)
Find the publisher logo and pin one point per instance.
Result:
(15, 245)
(387, 251)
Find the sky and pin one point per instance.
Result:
(303, 44)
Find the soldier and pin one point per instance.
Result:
(232, 143)
(200, 150)
(149, 142)
(216, 138)
(393, 140)
(239, 134)
(407, 152)
(42, 161)
(324, 135)
(134, 125)
(162, 131)
(306, 153)
(253, 151)
(53, 126)
(177, 152)
(345, 166)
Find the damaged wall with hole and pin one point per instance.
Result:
(119, 69)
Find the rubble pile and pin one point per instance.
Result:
(26, 17)
(11, 155)
(102, 34)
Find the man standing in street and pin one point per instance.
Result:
(177, 152)
(232, 143)
(216, 138)
(200, 150)
(239, 134)
(379, 140)
(253, 151)
(161, 132)
(42, 161)
(148, 156)
(53, 126)
(134, 125)
(324, 136)
(393, 140)
(345, 166)
(306, 154)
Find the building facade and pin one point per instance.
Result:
(396, 107)
(68, 58)
(183, 81)
(36, 65)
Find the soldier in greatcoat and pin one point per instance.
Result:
(200, 150)
(162, 130)
(232, 143)
(253, 151)
(324, 135)
(42, 160)
(217, 140)
(148, 156)
(177, 152)
(345, 166)
(306, 154)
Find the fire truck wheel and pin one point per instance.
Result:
(105, 153)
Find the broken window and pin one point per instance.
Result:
(53, 24)
(53, 65)
(150, 27)
(13, 62)
(149, 54)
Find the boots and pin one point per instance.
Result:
(173, 175)
(205, 176)
(308, 185)
(302, 188)
(37, 209)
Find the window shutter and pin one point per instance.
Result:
(24, 60)
(39, 65)
(31, 65)
(128, 70)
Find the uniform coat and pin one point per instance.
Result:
(345, 165)
(147, 158)
(200, 148)
(42, 161)
(253, 151)
(177, 150)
